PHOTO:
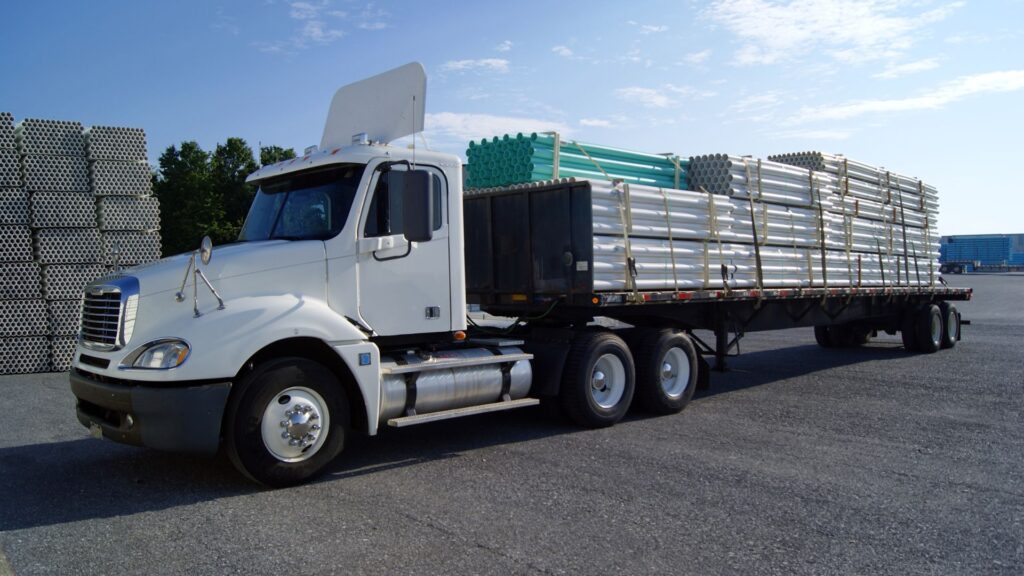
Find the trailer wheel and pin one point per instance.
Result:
(950, 324)
(929, 329)
(823, 336)
(598, 380)
(286, 420)
(666, 371)
(908, 329)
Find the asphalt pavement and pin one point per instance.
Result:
(798, 461)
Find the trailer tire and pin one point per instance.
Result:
(294, 390)
(598, 380)
(950, 324)
(823, 336)
(666, 371)
(929, 329)
(908, 329)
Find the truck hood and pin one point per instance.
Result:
(231, 262)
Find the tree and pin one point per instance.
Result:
(274, 154)
(230, 164)
(205, 194)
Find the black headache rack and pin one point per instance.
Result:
(529, 253)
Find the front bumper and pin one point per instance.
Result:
(177, 419)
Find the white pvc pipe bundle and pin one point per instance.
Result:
(860, 251)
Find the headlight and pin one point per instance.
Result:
(158, 355)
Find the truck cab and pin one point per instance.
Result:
(341, 306)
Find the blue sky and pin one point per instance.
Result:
(929, 88)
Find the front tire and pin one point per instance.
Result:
(287, 419)
(598, 380)
(666, 371)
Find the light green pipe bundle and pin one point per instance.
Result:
(516, 159)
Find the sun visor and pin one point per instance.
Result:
(385, 107)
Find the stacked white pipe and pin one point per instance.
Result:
(51, 242)
(128, 213)
(858, 218)
(24, 346)
(681, 240)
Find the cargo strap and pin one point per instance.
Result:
(847, 241)
(906, 246)
(555, 160)
(746, 167)
(679, 168)
(757, 249)
(881, 266)
(626, 218)
(671, 244)
(589, 157)
(821, 243)
(714, 233)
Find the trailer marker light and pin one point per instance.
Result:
(364, 358)
(595, 300)
(459, 336)
(519, 297)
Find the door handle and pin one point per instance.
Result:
(380, 243)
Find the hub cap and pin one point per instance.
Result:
(295, 424)
(675, 372)
(608, 381)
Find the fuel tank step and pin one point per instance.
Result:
(459, 412)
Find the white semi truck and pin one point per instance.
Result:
(342, 309)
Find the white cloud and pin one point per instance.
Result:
(316, 31)
(647, 28)
(697, 57)
(373, 26)
(948, 93)
(897, 70)
(757, 102)
(465, 126)
(595, 123)
(773, 31)
(563, 51)
(304, 10)
(666, 96)
(504, 46)
(482, 64)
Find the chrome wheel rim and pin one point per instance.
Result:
(674, 372)
(295, 424)
(608, 381)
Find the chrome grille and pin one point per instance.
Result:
(101, 319)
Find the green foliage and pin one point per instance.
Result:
(203, 193)
(275, 154)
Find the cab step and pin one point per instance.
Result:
(459, 412)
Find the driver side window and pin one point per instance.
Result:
(384, 217)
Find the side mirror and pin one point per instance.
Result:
(417, 190)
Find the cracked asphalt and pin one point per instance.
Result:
(798, 461)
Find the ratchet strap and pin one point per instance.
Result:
(671, 244)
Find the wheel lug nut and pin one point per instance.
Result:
(293, 442)
(285, 435)
(314, 416)
(285, 423)
(314, 427)
(288, 413)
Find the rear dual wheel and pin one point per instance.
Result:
(598, 380)
(666, 371)
(922, 329)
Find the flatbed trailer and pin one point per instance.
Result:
(510, 273)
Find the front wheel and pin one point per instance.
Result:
(286, 420)
(598, 380)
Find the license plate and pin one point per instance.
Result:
(95, 430)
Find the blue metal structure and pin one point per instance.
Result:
(988, 249)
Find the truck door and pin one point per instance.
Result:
(403, 289)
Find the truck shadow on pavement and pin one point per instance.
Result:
(82, 479)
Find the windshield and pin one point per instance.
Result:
(308, 206)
